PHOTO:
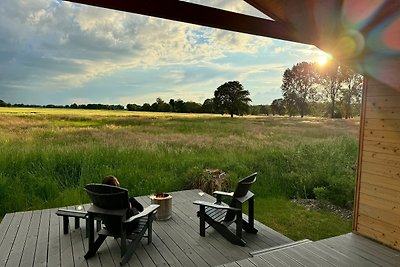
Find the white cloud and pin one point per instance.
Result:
(48, 45)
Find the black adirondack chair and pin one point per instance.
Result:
(220, 216)
(111, 203)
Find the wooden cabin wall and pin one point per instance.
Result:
(377, 199)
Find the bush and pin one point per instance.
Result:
(208, 180)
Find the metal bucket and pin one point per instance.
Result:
(164, 212)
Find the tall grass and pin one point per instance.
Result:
(46, 158)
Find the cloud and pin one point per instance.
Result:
(69, 51)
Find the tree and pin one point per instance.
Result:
(208, 106)
(162, 106)
(231, 98)
(146, 107)
(133, 107)
(180, 106)
(192, 107)
(172, 104)
(278, 107)
(298, 88)
(331, 79)
(3, 104)
(351, 90)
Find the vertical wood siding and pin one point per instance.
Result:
(377, 209)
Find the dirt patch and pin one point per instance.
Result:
(312, 204)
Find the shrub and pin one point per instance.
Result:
(208, 180)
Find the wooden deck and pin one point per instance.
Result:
(345, 250)
(35, 238)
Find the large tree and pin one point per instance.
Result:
(298, 88)
(331, 78)
(351, 90)
(231, 98)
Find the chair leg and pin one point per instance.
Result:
(202, 216)
(77, 225)
(131, 248)
(225, 232)
(123, 240)
(239, 222)
(95, 246)
(150, 229)
(249, 226)
(66, 224)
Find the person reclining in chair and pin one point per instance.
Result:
(134, 206)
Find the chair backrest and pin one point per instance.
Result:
(108, 196)
(244, 185)
(242, 188)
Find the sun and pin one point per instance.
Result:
(322, 60)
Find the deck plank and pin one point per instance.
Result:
(213, 240)
(258, 261)
(352, 256)
(177, 229)
(283, 257)
(366, 253)
(211, 248)
(172, 245)
(374, 248)
(275, 261)
(35, 238)
(16, 251)
(65, 247)
(246, 263)
(28, 254)
(5, 223)
(43, 239)
(9, 238)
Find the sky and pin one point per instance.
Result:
(57, 52)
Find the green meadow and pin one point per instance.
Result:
(48, 155)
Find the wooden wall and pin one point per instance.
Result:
(377, 200)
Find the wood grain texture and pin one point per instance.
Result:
(36, 238)
(377, 210)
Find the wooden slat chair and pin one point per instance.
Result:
(220, 216)
(111, 203)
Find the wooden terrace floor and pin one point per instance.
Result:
(346, 250)
(35, 238)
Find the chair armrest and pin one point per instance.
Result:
(148, 210)
(222, 193)
(246, 197)
(99, 211)
(216, 206)
(72, 213)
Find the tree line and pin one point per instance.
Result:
(332, 90)
(229, 98)
(73, 106)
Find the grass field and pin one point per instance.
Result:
(48, 155)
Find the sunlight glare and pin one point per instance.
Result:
(322, 60)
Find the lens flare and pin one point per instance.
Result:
(383, 69)
(324, 59)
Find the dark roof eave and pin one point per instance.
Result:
(203, 15)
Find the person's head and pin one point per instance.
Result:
(111, 180)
